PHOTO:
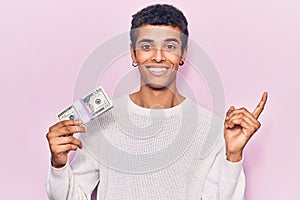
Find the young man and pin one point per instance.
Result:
(155, 143)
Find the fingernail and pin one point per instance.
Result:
(78, 121)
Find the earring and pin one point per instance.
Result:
(134, 64)
(181, 63)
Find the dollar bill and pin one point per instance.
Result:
(68, 114)
(88, 107)
(97, 102)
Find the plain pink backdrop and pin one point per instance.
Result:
(254, 45)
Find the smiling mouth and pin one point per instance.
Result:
(157, 70)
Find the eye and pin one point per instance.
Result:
(170, 46)
(146, 46)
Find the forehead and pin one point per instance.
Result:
(158, 32)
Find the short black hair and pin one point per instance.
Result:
(159, 14)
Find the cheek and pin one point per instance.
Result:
(174, 58)
(142, 56)
(171, 57)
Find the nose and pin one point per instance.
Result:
(158, 55)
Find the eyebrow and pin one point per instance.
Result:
(172, 40)
(145, 40)
(166, 40)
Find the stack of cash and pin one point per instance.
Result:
(87, 108)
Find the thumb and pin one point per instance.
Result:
(232, 108)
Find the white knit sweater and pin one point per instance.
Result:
(138, 153)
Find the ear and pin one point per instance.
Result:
(183, 55)
(133, 56)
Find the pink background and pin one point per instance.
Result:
(254, 45)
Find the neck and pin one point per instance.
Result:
(148, 97)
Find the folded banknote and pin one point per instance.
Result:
(87, 108)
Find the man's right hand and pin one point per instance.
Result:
(61, 140)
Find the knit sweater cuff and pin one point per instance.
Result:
(58, 173)
(231, 170)
(58, 182)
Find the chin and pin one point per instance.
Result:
(157, 86)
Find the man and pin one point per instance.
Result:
(154, 143)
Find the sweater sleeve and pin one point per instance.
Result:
(75, 181)
(225, 181)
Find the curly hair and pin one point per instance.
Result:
(159, 14)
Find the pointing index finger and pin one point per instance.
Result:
(259, 108)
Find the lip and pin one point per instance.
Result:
(158, 70)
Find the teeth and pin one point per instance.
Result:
(155, 69)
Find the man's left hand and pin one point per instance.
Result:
(239, 126)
